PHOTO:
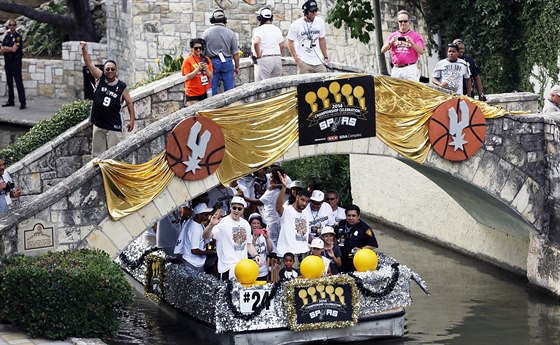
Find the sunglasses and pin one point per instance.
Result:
(197, 48)
(235, 208)
(109, 69)
(403, 21)
(316, 203)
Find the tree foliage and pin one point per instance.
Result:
(77, 23)
(507, 38)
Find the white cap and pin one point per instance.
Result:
(253, 216)
(265, 12)
(238, 200)
(327, 230)
(555, 90)
(202, 208)
(317, 196)
(317, 243)
(296, 184)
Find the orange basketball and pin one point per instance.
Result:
(457, 129)
(195, 148)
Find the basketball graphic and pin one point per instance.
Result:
(195, 148)
(457, 129)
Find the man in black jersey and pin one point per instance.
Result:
(106, 111)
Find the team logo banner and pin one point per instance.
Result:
(329, 302)
(341, 109)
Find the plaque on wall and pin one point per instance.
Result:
(37, 237)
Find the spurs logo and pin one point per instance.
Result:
(456, 127)
(197, 149)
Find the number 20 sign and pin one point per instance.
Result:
(251, 299)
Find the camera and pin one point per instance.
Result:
(9, 186)
(401, 39)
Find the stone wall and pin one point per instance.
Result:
(144, 31)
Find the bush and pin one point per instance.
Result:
(78, 293)
(69, 115)
(45, 39)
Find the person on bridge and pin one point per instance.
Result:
(552, 103)
(7, 189)
(473, 69)
(106, 110)
(307, 41)
(12, 48)
(268, 43)
(405, 45)
(233, 238)
(353, 234)
(197, 70)
(449, 73)
(222, 48)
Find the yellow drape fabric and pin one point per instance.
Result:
(129, 187)
(259, 133)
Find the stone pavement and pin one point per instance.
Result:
(11, 335)
(37, 109)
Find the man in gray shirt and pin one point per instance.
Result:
(221, 47)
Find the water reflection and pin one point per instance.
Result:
(470, 303)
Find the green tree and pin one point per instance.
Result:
(331, 172)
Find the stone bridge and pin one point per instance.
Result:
(509, 184)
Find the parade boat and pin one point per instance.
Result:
(344, 307)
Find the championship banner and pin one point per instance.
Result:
(341, 109)
(330, 302)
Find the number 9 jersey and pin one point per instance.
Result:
(106, 111)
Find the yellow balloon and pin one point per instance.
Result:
(312, 267)
(365, 260)
(246, 271)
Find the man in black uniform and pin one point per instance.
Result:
(12, 48)
(106, 115)
(353, 234)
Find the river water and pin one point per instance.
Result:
(470, 303)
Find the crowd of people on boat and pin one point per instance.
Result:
(270, 218)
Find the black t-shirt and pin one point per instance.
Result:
(107, 103)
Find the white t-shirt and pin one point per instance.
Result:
(269, 214)
(319, 219)
(339, 214)
(191, 234)
(232, 238)
(5, 200)
(271, 37)
(452, 73)
(306, 39)
(294, 232)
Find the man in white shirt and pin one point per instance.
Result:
(190, 244)
(267, 46)
(7, 189)
(319, 213)
(339, 213)
(233, 238)
(307, 42)
(552, 103)
(294, 225)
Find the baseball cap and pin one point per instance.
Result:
(296, 184)
(327, 230)
(317, 196)
(311, 6)
(555, 90)
(265, 12)
(202, 208)
(317, 243)
(218, 14)
(238, 200)
(253, 216)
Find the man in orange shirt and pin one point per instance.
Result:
(197, 70)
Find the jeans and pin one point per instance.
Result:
(224, 71)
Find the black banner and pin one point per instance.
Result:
(341, 109)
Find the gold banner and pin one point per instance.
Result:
(130, 187)
(258, 134)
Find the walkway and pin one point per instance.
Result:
(37, 109)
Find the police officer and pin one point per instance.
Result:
(353, 234)
(12, 48)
